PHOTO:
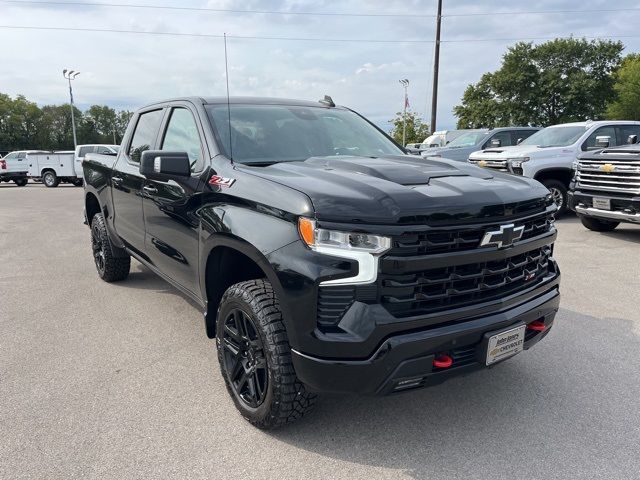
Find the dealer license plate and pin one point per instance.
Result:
(602, 203)
(505, 344)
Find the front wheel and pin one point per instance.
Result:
(50, 179)
(255, 357)
(598, 225)
(558, 192)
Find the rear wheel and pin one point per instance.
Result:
(558, 192)
(50, 179)
(112, 263)
(255, 357)
(598, 225)
(21, 182)
(78, 182)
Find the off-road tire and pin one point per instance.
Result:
(21, 182)
(286, 398)
(50, 179)
(111, 268)
(598, 225)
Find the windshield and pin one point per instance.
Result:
(555, 137)
(279, 133)
(468, 139)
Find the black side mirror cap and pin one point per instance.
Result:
(162, 165)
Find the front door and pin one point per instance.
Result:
(172, 226)
(127, 182)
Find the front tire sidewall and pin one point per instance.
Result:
(558, 189)
(252, 414)
(50, 180)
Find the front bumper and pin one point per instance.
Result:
(623, 209)
(405, 361)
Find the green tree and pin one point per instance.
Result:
(558, 81)
(416, 129)
(627, 88)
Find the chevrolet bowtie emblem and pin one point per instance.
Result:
(504, 237)
(482, 163)
(607, 167)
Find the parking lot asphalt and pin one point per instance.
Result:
(119, 380)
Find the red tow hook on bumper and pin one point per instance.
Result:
(442, 360)
(537, 326)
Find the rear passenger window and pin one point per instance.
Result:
(182, 136)
(145, 134)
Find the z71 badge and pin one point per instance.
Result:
(221, 181)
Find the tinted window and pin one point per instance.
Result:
(85, 150)
(470, 139)
(22, 155)
(625, 130)
(278, 133)
(504, 137)
(590, 142)
(144, 134)
(182, 136)
(520, 135)
(104, 151)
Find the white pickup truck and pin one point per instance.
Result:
(82, 150)
(549, 154)
(53, 168)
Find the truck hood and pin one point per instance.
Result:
(531, 151)
(402, 189)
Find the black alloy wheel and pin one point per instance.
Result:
(244, 358)
(98, 248)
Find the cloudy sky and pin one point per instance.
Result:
(392, 39)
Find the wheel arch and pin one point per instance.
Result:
(560, 174)
(92, 206)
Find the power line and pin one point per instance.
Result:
(213, 35)
(218, 10)
(302, 39)
(320, 14)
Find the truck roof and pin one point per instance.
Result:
(596, 123)
(242, 100)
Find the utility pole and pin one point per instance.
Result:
(71, 75)
(436, 66)
(405, 84)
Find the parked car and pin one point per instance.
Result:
(441, 138)
(413, 148)
(14, 167)
(82, 150)
(605, 189)
(324, 258)
(52, 168)
(548, 155)
(473, 140)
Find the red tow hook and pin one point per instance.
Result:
(537, 326)
(442, 360)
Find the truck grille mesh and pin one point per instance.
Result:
(447, 288)
(439, 241)
(610, 175)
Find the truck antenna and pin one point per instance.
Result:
(226, 74)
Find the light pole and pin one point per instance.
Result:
(71, 75)
(405, 84)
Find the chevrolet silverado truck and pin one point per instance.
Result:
(605, 189)
(324, 258)
(548, 155)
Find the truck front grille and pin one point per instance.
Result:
(609, 175)
(447, 288)
(463, 238)
(500, 165)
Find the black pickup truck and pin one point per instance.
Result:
(324, 258)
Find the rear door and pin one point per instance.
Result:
(172, 228)
(127, 182)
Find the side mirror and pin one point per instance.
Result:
(496, 143)
(603, 141)
(633, 139)
(519, 141)
(161, 165)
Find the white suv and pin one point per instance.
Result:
(548, 155)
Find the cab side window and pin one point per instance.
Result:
(84, 151)
(521, 135)
(145, 134)
(182, 136)
(625, 130)
(590, 142)
(503, 137)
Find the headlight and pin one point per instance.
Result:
(517, 162)
(574, 166)
(320, 238)
(362, 247)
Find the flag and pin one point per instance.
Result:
(406, 101)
